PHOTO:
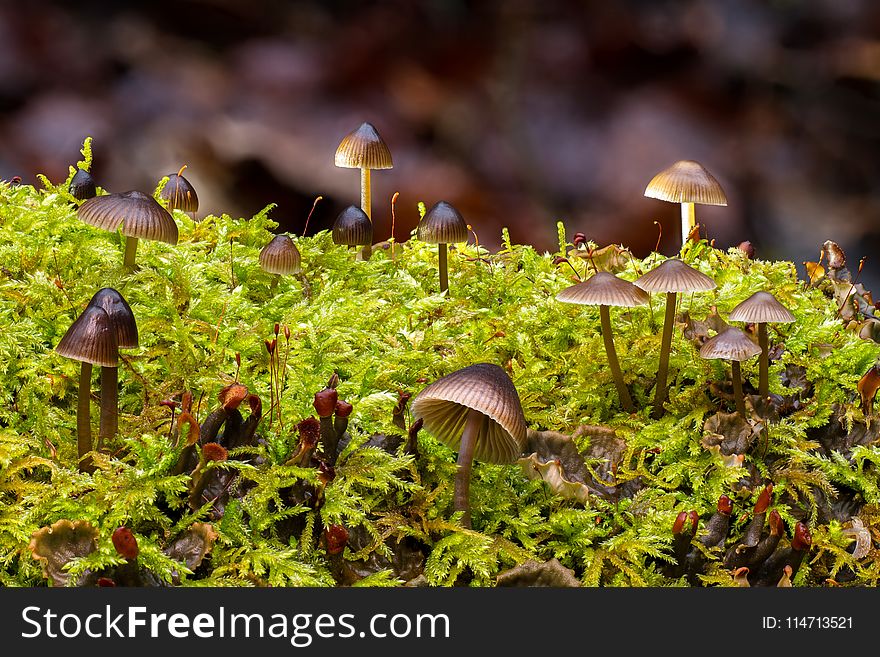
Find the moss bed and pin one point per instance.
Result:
(616, 482)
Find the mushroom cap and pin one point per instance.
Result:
(91, 339)
(444, 407)
(760, 308)
(675, 276)
(353, 227)
(115, 305)
(280, 256)
(363, 149)
(442, 224)
(730, 344)
(686, 181)
(138, 214)
(82, 185)
(604, 289)
(180, 194)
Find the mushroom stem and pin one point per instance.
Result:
(444, 272)
(688, 220)
(665, 346)
(109, 405)
(274, 282)
(738, 388)
(611, 352)
(83, 423)
(365, 193)
(465, 457)
(131, 245)
(763, 361)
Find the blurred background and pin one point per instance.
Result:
(518, 112)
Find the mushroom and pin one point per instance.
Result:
(354, 228)
(280, 257)
(180, 193)
(604, 289)
(92, 340)
(686, 182)
(672, 276)
(138, 215)
(759, 309)
(442, 225)
(82, 185)
(477, 410)
(122, 319)
(733, 345)
(364, 149)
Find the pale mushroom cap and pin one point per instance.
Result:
(353, 227)
(138, 214)
(180, 194)
(280, 256)
(121, 316)
(363, 149)
(444, 407)
(761, 307)
(91, 339)
(730, 344)
(686, 181)
(442, 224)
(604, 289)
(675, 276)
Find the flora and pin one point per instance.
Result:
(222, 474)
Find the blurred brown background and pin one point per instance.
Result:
(518, 112)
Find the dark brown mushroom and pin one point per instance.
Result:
(364, 149)
(354, 228)
(733, 345)
(82, 185)
(760, 309)
(442, 225)
(180, 193)
(280, 257)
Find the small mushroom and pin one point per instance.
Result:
(604, 289)
(671, 276)
(180, 193)
(686, 182)
(92, 340)
(280, 257)
(82, 185)
(137, 214)
(354, 228)
(760, 309)
(442, 225)
(735, 346)
(476, 410)
(364, 149)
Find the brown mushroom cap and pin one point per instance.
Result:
(363, 149)
(280, 256)
(760, 308)
(121, 316)
(138, 214)
(91, 339)
(604, 289)
(730, 344)
(442, 224)
(675, 276)
(353, 227)
(486, 388)
(686, 181)
(180, 194)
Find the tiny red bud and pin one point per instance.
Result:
(286, 332)
(678, 525)
(802, 539)
(747, 248)
(255, 404)
(695, 519)
(309, 431)
(764, 499)
(334, 381)
(325, 402)
(326, 473)
(776, 526)
(105, 582)
(277, 328)
(125, 543)
(336, 537)
(214, 452)
(270, 346)
(238, 359)
(232, 395)
(725, 505)
(343, 408)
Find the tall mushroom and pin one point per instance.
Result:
(686, 182)
(476, 410)
(442, 225)
(604, 289)
(364, 149)
(91, 339)
(117, 308)
(353, 228)
(180, 193)
(671, 276)
(760, 309)
(137, 214)
(280, 257)
(733, 345)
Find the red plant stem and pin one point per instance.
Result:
(469, 436)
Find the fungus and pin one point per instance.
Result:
(364, 149)
(280, 257)
(442, 225)
(604, 289)
(92, 340)
(476, 410)
(760, 309)
(672, 276)
(180, 193)
(686, 182)
(325, 405)
(354, 228)
(137, 214)
(735, 346)
(82, 185)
